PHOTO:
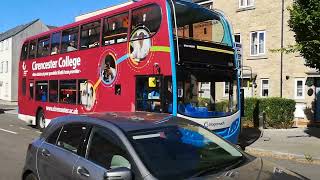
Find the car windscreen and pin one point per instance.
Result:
(182, 151)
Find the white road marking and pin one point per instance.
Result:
(38, 132)
(24, 128)
(11, 125)
(12, 132)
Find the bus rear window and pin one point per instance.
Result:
(32, 49)
(116, 29)
(70, 40)
(24, 51)
(43, 47)
(148, 18)
(90, 35)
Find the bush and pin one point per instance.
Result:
(203, 101)
(279, 111)
(222, 106)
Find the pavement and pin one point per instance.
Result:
(300, 144)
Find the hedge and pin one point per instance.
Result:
(279, 111)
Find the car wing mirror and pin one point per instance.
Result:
(122, 173)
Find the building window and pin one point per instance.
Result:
(246, 3)
(6, 66)
(237, 38)
(6, 44)
(226, 89)
(257, 43)
(299, 88)
(264, 87)
(1, 68)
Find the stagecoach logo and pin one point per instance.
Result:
(214, 125)
(24, 68)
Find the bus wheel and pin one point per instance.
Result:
(31, 177)
(41, 121)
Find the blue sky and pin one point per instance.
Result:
(51, 12)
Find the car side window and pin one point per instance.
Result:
(52, 139)
(104, 151)
(71, 137)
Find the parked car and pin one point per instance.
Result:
(139, 146)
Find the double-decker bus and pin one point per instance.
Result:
(166, 56)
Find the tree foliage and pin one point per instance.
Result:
(305, 22)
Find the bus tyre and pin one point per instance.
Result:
(41, 121)
(31, 176)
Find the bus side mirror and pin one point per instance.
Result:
(242, 101)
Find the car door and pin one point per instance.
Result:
(59, 152)
(104, 152)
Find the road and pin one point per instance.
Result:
(15, 136)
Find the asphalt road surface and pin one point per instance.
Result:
(15, 136)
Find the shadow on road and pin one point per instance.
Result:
(313, 131)
(248, 136)
(3, 110)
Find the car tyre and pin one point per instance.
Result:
(41, 121)
(31, 176)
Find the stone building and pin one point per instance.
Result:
(10, 48)
(262, 26)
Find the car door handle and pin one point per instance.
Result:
(45, 153)
(83, 171)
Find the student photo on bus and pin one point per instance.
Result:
(140, 44)
(87, 95)
(109, 69)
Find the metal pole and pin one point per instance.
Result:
(281, 58)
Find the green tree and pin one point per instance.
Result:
(305, 22)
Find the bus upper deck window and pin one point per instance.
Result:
(90, 35)
(55, 43)
(148, 18)
(24, 51)
(69, 40)
(32, 49)
(43, 47)
(115, 29)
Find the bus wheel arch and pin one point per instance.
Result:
(40, 119)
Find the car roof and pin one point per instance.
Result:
(126, 121)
